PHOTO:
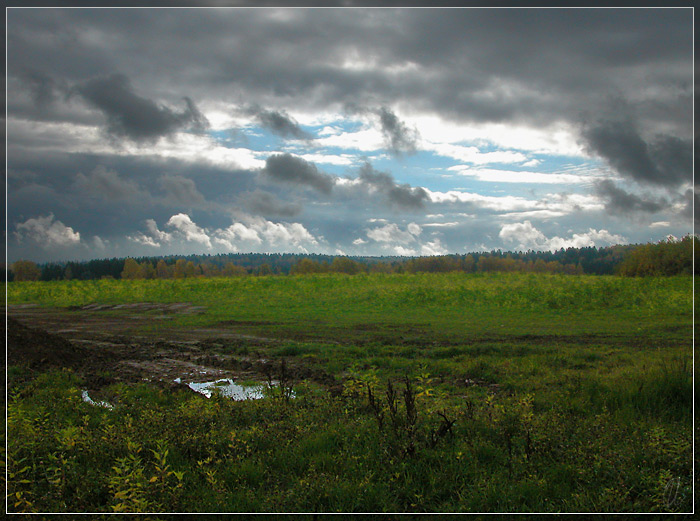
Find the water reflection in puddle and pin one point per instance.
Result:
(87, 399)
(226, 387)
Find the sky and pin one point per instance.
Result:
(353, 131)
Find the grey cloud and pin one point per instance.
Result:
(107, 185)
(293, 169)
(621, 145)
(87, 199)
(665, 161)
(280, 123)
(690, 201)
(264, 203)
(400, 139)
(132, 116)
(45, 90)
(400, 195)
(620, 201)
(181, 191)
(538, 66)
(405, 196)
(674, 157)
(193, 117)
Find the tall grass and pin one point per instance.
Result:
(663, 390)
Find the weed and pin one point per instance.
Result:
(283, 388)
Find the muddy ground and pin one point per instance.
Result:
(105, 344)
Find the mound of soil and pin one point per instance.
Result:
(40, 350)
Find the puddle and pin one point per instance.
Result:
(87, 399)
(226, 387)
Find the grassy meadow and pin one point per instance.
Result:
(448, 392)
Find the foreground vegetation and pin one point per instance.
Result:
(441, 393)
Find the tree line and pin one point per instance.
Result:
(668, 257)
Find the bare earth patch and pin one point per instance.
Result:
(105, 344)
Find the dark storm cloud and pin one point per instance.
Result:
(470, 65)
(112, 195)
(264, 203)
(625, 150)
(181, 191)
(543, 65)
(403, 196)
(44, 89)
(674, 157)
(280, 123)
(400, 139)
(107, 185)
(132, 116)
(618, 201)
(293, 169)
(667, 160)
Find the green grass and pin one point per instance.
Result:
(579, 400)
(454, 302)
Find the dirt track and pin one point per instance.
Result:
(105, 344)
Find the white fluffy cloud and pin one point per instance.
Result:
(414, 229)
(237, 232)
(472, 154)
(330, 159)
(189, 230)
(365, 140)
(391, 233)
(549, 205)
(590, 238)
(518, 176)
(557, 138)
(47, 231)
(526, 237)
(403, 242)
(524, 234)
(258, 230)
(245, 232)
(433, 248)
(508, 203)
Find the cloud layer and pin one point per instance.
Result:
(363, 131)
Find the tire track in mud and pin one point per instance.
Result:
(105, 343)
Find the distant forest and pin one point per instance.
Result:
(668, 257)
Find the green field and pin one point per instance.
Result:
(440, 393)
